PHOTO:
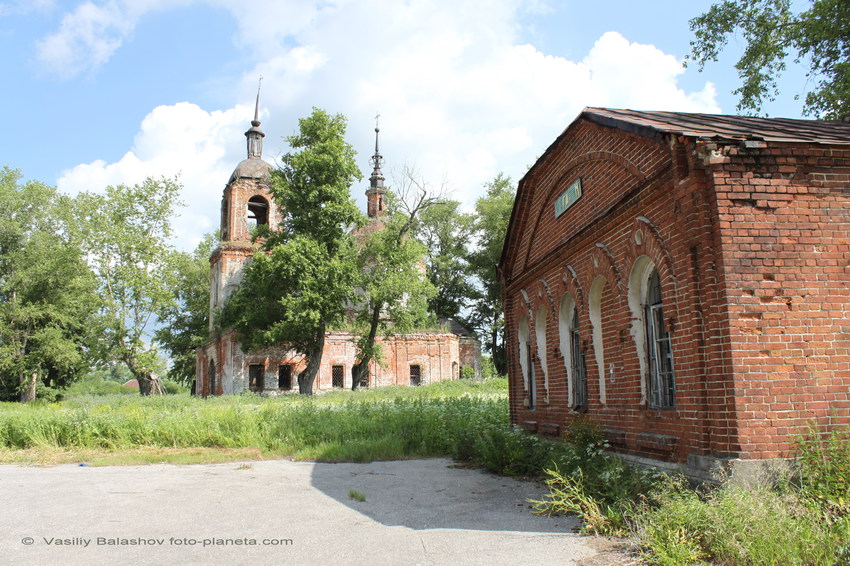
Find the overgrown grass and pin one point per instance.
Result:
(804, 520)
(385, 423)
(587, 480)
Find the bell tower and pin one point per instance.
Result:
(376, 193)
(245, 204)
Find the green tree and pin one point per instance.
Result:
(186, 322)
(392, 290)
(774, 32)
(125, 235)
(447, 231)
(493, 212)
(46, 291)
(299, 285)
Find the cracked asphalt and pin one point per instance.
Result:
(418, 512)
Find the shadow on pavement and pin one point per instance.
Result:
(437, 494)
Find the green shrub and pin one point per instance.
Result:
(94, 385)
(587, 480)
(488, 367)
(802, 522)
(173, 388)
(732, 525)
(822, 480)
(823, 468)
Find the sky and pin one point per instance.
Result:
(103, 92)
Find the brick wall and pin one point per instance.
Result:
(784, 220)
(438, 355)
(751, 246)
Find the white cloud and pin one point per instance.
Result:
(180, 140)
(89, 35)
(460, 96)
(641, 77)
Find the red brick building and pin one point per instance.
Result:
(684, 281)
(222, 366)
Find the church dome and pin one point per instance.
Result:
(251, 168)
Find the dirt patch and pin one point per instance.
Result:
(611, 552)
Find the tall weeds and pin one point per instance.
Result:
(378, 424)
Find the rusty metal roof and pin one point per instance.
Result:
(722, 127)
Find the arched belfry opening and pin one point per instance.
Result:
(258, 212)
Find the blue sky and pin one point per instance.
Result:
(111, 91)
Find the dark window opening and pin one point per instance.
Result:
(532, 388)
(225, 231)
(256, 379)
(579, 369)
(659, 350)
(415, 375)
(284, 377)
(337, 376)
(364, 379)
(258, 212)
(212, 378)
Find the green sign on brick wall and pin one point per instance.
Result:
(568, 197)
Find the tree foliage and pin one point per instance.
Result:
(493, 212)
(447, 232)
(124, 234)
(299, 285)
(393, 290)
(46, 291)
(773, 32)
(185, 323)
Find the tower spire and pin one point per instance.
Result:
(256, 121)
(375, 194)
(255, 135)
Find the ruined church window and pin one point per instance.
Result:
(212, 378)
(284, 377)
(364, 379)
(258, 212)
(256, 380)
(337, 376)
(415, 375)
(659, 350)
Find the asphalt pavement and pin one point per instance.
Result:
(414, 512)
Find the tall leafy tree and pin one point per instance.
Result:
(493, 212)
(774, 33)
(299, 285)
(46, 291)
(446, 232)
(185, 323)
(125, 233)
(392, 290)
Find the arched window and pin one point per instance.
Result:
(578, 371)
(661, 383)
(540, 335)
(573, 354)
(258, 212)
(598, 289)
(212, 378)
(525, 361)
